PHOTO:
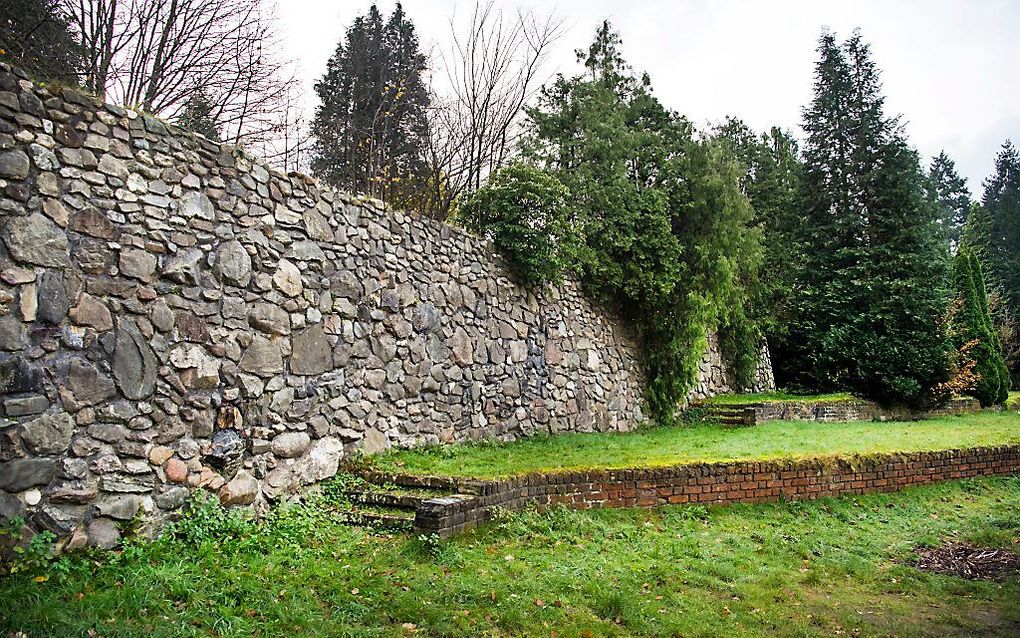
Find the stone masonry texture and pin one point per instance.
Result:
(176, 316)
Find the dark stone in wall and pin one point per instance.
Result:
(134, 362)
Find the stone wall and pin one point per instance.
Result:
(707, 483)
(176, 316)
(715, 377)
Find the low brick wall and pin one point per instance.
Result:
(757, 413)
(709, 483)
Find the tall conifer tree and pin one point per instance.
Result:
(1002, 201)
(876, 274)
(974, 328)
(370, 125)
(950, 194)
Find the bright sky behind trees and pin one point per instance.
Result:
(948, 65)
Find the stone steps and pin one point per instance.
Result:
(387, 499)
(392, 518)
(736, 415)
(392, 501)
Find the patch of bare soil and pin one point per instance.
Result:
(968, 561)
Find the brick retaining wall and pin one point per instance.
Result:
(853, 410)
(708, 483)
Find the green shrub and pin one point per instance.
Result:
(524, 211)
(205, 520)
(975, 327)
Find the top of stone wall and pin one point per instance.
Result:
(242, 160)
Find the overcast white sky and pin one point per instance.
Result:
(949, 66)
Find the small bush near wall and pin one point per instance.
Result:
(524, 211)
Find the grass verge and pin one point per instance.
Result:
(825, 568)
(657, 447)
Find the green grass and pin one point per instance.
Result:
(1013, 402)
(658, 447)
(790, 570)
(776, 397)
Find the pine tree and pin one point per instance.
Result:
(37, 36)
(950, 194)
(370, 125)
(198, 116)
(875, 277)
(975, 328)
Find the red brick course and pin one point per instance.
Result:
(708, 483)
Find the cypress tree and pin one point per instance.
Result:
(977, 231)
(662, 225)
(974, 325)
(875, 278)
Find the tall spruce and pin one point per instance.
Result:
(975, 332)
(998, 236)
(875, 280)
(370, 125)
(950, 194)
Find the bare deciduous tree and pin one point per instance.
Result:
(491, 69)
(154, 53)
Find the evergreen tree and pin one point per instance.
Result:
(662, 224)
(950, 194)
(198, 116)
(975, 330)
(36, 35)
(370, 125)
(874, 282)
(771, 180)
(977, 231)
(1002, 201)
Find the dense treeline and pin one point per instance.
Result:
(861, 269)
(837, 253)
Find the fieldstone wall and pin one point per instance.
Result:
(715, 377)
(175, 316)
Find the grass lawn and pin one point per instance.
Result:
(825, 568)
(703, 443)
(776, 397)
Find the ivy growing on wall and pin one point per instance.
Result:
(655, 219)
